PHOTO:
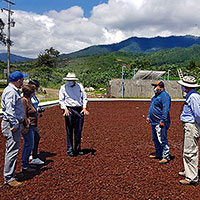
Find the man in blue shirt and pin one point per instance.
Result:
(159, 118)
(13, 117)
(190, 118)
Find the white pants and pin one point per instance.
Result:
(191, 151)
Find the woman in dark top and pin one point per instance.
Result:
(30, 116)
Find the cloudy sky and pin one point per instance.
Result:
(71, 25)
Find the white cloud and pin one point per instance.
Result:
(69, 31)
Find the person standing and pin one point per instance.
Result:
(35, 159)
(28, 131)
(13, 117)
(73, 101)
(190, 118)
(159, 118)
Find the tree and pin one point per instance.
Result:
(48, 58)
(2, 34)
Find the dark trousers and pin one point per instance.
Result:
(74, 124)
(36, 143)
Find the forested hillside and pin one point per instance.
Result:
(97, 70)
(138, 45)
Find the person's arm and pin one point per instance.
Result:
(10, 102)
(26, 122)
(166, 102)
(148, 115)
(85, 100)
(62, 97)
(194, 103)
(62, 101)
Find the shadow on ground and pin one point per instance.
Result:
(22, 176)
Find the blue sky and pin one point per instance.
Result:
(41, 6)
(69, 25)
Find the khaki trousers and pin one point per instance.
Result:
(191, 151)
(11, 152)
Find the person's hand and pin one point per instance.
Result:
(161, 125)
(84, 111)
(66, 112)
(28, 122)
(25, 130)
(13, 129)
(147, 120)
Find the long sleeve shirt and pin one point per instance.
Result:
(191, 108)
(159, 109)
(72, 96)
(12, 107)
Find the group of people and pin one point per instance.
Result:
(20, 116)
(159, 119)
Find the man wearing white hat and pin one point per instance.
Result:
(73, 100)
(190, 117)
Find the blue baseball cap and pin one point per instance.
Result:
(16, 75)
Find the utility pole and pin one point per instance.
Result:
(10, 23)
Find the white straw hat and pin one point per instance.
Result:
(71, 77)
(189, 81)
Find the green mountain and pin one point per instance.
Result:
(138, 45)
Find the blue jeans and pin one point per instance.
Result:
(159, 137)
(28, 146)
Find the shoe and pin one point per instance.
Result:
(14, 183)
(28, 169)
(181, 174)
(80, 153)
(37, 161)
(153, 156)
(70, 154)
(185, 182)
(30, 158)
(164, 161)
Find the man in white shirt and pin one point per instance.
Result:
(190, 118)
(73, 101)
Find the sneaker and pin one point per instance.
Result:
(185, 182)
(164, 161)
(14, 183)
(71, 154)
(37, 161)
(153, 156)
(30, 158)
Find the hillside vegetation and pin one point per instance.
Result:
(96, 70)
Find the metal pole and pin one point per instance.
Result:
(134, 73)
(123, 81)
(8, 43)
(168, 74)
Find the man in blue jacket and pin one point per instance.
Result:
(159, 118)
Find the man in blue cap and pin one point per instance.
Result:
(13, 116)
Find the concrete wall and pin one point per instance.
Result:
(141, 88)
